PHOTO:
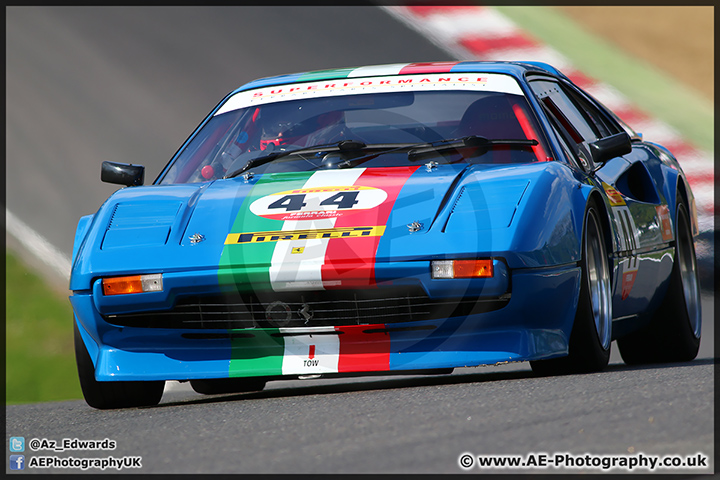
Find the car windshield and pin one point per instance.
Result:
(390, 127)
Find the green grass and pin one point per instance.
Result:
(40, 360)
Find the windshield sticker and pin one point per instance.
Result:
(397, 83)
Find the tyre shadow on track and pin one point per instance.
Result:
(386, 383)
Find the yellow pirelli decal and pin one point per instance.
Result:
(282, 235)
(613, 195)
(344, 188)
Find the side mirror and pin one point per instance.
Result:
(122, 174)
(610, 147)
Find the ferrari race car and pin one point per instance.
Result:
(392, 218)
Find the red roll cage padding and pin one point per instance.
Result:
(192, 164)
(530, 133)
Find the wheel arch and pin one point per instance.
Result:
(682, 190)
(596, 198)
(83, 226)
(678, 189)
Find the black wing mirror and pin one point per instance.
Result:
(610, 147)
(123, 174)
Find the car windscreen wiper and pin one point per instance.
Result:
(472, 141)
(342, 145)
(417, 150)
(421, 147)
(385, 149)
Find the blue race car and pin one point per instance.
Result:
(392, 218)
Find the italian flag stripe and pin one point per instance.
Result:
(310, 263)
(303, 271)
(435, 67)
(366, 71)
(314, 353)
(324, 74)
(377, 70)
(254, 258)
(351, 264)
(362, 350)
(316, 350)
(259, 355)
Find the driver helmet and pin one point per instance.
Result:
(298, 123)
(273, 133)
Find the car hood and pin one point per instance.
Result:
(283, 224)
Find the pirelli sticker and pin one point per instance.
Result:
(613, 195)
(282, 235)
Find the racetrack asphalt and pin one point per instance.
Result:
(401, 424)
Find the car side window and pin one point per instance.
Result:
(574, 118)
(576, 153)
(605, 125)
(571, 153)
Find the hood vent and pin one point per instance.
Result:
(457, 200)
(136, 224)
(486, 205)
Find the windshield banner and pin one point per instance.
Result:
(396, 83)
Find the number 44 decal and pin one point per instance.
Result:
(293, 203)
(317, 203)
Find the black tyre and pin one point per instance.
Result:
(673, 335)
(591, 337)
(227, 385)
(106, 395)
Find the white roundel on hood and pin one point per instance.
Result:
(318, 203)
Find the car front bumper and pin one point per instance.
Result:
(534, 322)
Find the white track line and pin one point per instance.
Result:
(53, 258)
(37, 245)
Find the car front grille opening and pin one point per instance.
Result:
(309, 309)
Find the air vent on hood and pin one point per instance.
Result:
(486, 205)
(140, 224)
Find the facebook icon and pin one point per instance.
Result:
(17, 462)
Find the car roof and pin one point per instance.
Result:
(516, 69)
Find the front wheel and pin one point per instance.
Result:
(107, 395)
(673, 335)
(589, 346)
